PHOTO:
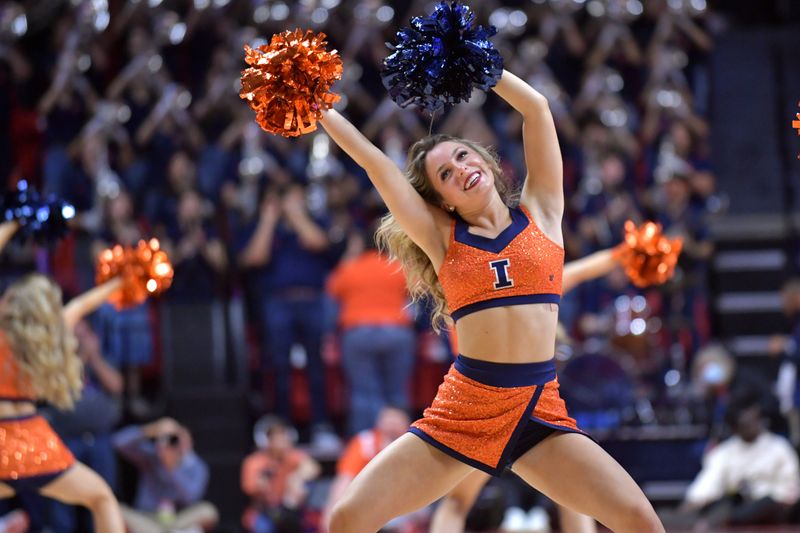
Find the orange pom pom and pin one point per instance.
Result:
(288, 81)
(145, 270)
(648, 257)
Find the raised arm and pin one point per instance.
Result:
(543, 190)
(82, 305)
(587, 268)
(7, 230)
(416, 217)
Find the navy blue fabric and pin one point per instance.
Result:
(17, 418)
(518, 223)
(521, 299)
(507, 374)
(31, 483)
(291, 265)
(378, 362)
(287, 321)
(532, 433)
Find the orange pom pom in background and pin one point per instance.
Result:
(289, 80)
(648, 257)
(145, 270)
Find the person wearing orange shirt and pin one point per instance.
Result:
(275, 478)
(390, 424)
(377, 339)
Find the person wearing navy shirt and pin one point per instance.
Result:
(686, 298)
(297, 251)
(786, 348)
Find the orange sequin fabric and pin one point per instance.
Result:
(519, 266)
(482, 409)
(474, 419)
(29, 447)
(551, 409)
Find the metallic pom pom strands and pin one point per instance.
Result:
(288, 82)
(648, 257)
(441, 58)
(44, 219)
(145, 270)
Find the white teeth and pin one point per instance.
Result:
(472, 180)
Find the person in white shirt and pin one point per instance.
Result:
(752, 477)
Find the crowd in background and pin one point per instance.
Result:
(130, 111)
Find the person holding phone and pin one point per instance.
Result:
(172, 478)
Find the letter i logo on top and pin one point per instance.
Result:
(501, 277)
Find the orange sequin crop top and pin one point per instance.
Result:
(519, 266)
(12, 386)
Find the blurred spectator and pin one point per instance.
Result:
(391, 423)
(86, 429)
(605, 202)
(297, 248)
(719, 380)
(126, 340)
(120, 225)
(162, 205)
(713, 372)
(751, 478)
(786, 347)
(197, 253)
(172, 478)
(125, 335)
(131, 111)
(275, 478)
(685, 298)
(377, 339)
(14, 522)
(614, 40)
(65, 106)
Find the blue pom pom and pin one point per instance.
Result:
(441, 58)
(44, 219)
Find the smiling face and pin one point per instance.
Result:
(460, 175)
(449, 172)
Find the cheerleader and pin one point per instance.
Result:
(38, 362)
(496, 266)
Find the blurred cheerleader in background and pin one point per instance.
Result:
(38, 362)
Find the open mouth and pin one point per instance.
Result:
(473, 180)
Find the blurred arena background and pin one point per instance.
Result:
(678, 111)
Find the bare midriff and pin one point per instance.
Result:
(513, 334)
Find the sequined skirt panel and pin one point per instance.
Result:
(481, 409)
(29, 447)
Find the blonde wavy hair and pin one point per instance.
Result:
(421, 277)
(31, 315)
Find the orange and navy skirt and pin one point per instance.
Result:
(488, 415)
(31, 454)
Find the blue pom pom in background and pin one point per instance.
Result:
(441, 58)
(44, 219)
